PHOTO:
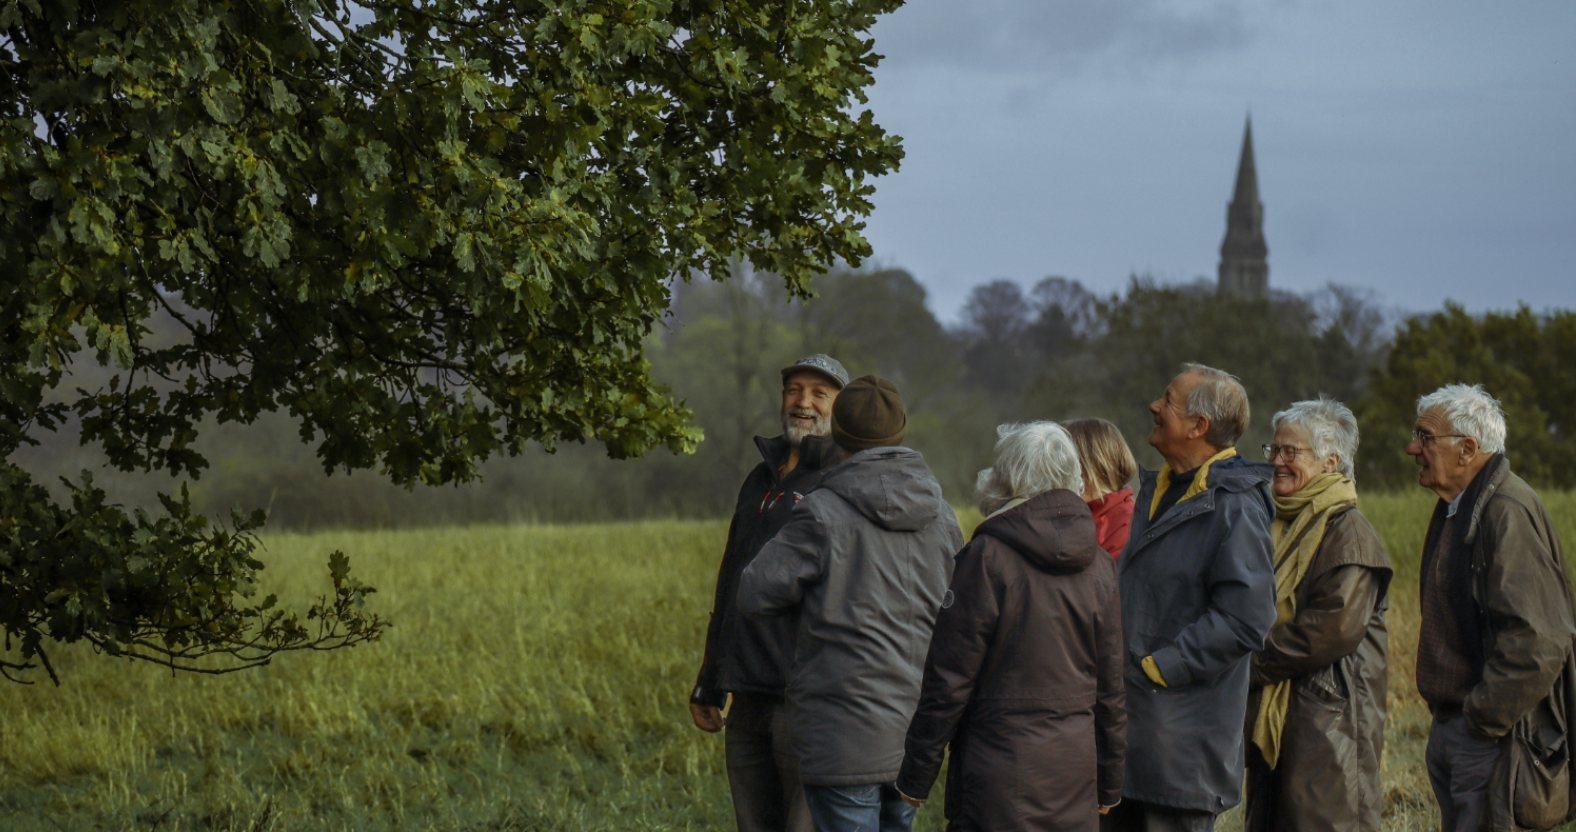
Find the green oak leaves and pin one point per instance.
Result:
(431, 231)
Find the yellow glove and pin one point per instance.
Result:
(1152, 670)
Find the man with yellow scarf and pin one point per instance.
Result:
(1315, 720)
(1198, 598)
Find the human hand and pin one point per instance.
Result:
(707, 718)
(1105, 810)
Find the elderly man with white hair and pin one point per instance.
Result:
(1024, 675)
(1494, 653)
(1315, 721)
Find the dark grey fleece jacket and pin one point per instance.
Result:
(864, 561)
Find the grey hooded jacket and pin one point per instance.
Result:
(864, 561)
(1198, 594)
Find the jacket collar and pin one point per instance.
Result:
(1234, 474)
(815, 453)
(1482, 488)
(1197, 486)
(774, 452)
(1102, 505)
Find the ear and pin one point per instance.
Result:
(1332, 463)
(1201, 430)
(1468, 448)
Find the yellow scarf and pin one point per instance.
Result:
(1195, 488)
(1297, 532)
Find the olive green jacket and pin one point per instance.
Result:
(1526, 693)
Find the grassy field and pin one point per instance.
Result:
(535, 680)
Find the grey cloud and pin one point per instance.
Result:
(1056, 35)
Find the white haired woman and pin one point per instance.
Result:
(1024, 675)
(1315, 722)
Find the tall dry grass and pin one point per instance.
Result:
(535, 680)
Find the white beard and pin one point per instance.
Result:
(796, 432)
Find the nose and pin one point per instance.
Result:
(1154, 407)
(1414, 448)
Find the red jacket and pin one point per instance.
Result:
(1113, 516)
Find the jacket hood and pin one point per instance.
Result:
(1233, 474)
(892, 486)
(1238, 474)
(1053, 531)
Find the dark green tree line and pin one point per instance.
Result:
(1078, 354)
(1524, 358)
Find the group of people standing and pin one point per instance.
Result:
(1094, 658)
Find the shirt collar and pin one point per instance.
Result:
(1450, 510)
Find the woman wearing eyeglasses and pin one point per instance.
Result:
(1315, 720)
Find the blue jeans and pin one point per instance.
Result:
(873, 808)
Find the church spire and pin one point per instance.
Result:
(1244, 256)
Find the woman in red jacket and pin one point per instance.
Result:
(1108, 467)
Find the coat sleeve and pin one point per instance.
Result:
(957, 650)
(1110, 709)
(1330, 624)
(705, 691)
(775, 581)
(1241, 606)
(1529, 614)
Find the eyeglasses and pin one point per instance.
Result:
(1290, 452)
(1424, 438)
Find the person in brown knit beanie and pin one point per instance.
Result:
(862, 568)
(868, 414)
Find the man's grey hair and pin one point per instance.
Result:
(1031, 458)
(1471, 411)
(1331, 427)
(1219, 397)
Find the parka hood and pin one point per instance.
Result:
(892, 486)
(1238, 474)
(1054, 531)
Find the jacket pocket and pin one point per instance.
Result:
(1543, 779)
(1326, 687)
(1533, 776)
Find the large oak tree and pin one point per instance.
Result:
(431, 231)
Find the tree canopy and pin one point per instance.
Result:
(1523, 358)
(430, 231)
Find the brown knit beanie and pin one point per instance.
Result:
(868, 414)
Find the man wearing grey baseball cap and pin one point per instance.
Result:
(748, 658)
(862, 569)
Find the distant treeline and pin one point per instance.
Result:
(1054, 351)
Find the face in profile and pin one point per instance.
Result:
(807, 405)
(1436, 451)
(1172, 422)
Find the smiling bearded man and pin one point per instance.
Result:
(749, 659)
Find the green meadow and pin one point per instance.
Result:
(535, 679)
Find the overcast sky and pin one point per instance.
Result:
(1422, 148)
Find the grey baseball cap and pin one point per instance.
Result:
(820, 363)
